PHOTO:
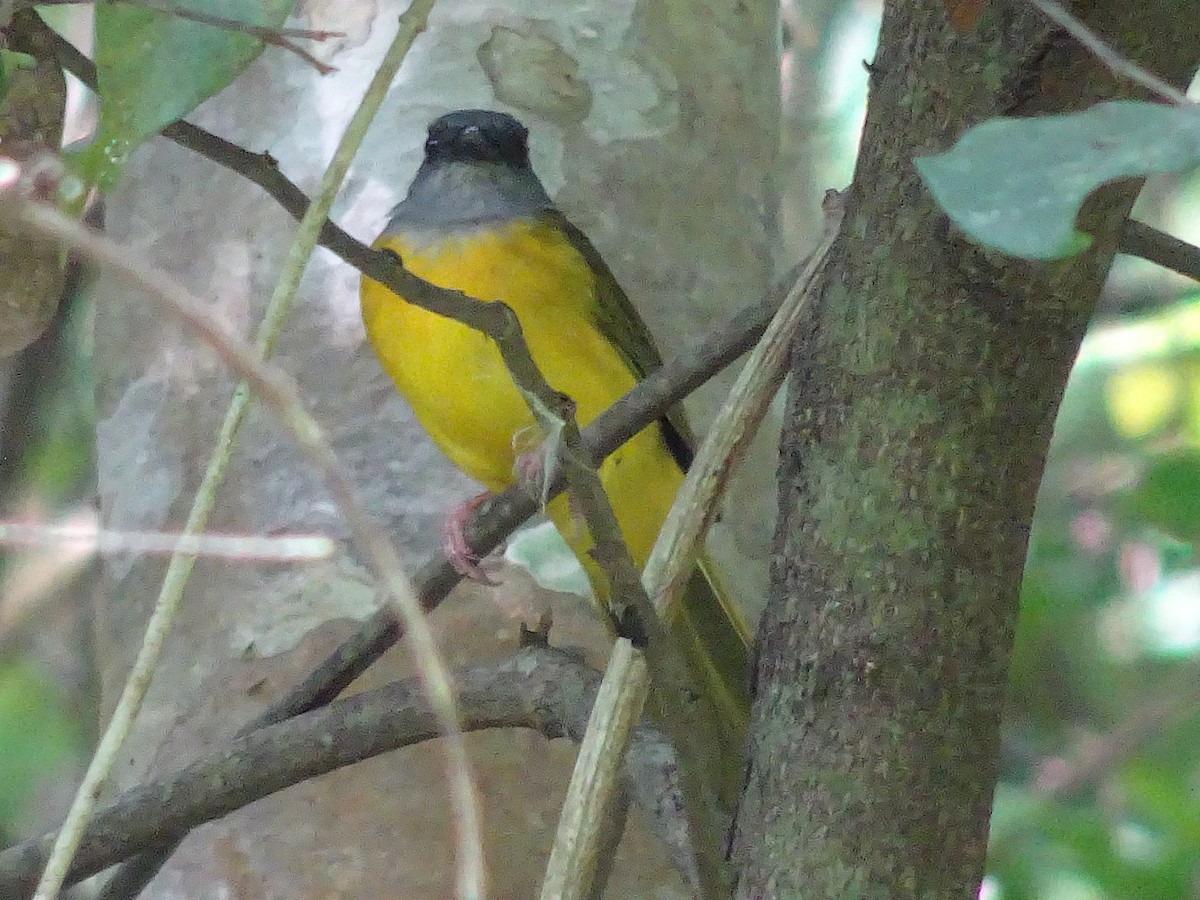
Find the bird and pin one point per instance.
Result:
(477, 219)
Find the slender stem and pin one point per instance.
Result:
(467, 820)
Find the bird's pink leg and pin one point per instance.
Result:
(458, 551)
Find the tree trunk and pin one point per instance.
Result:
(921, 406)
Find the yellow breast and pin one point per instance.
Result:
(459, 388)
(454, 377)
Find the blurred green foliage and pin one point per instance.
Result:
(46, 470)
(1100, 787)
(39, 735)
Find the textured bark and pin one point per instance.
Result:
(921, 407)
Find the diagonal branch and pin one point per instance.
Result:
(1139, 239)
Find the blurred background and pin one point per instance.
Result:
(1100, 788)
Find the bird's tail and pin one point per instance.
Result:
(714, 638)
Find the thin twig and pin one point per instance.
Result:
(278, 37)
(1139, 239)
(31, 591)
(280, 396)
(550, 691)
(590, 794)
(1090, 760)
(1114, 61)
(632, 610)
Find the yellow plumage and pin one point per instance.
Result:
(588, 341)
(461, 392)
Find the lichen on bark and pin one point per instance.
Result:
(921, 405)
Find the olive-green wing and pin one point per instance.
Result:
(620, 322)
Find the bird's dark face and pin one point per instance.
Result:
(477, 135)
(476, 170)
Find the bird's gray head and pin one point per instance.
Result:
(476, 170)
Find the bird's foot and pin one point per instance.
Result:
(458, 550)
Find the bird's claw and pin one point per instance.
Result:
(458, 550)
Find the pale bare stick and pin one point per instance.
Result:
(596, 781)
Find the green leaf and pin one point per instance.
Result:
(1016, 185)
(545, 555)
(154, 68)
(1169, 495)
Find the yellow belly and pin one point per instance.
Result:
(461, 392)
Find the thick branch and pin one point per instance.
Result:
(547, 690)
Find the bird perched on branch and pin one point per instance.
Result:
(477, 219)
